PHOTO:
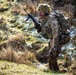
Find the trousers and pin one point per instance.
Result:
(53, 55)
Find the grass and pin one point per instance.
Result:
(10, 68)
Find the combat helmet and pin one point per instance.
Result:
(45, 8)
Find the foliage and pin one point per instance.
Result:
(20, 42)
(9, 68)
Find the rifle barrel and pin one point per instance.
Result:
(54, 10)
(26, 11)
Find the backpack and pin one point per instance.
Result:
(64, 36)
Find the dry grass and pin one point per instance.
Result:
(14, 50)
(18, 37)
(27, 58)
(8, 68)
(12, 55)
(31, 6)
(17, 42)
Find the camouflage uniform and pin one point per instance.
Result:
(49, 27)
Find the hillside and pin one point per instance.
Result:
(25, 52)
(10, 68)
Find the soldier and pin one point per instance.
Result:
(49, 29)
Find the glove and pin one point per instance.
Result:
(37, 24)
(38, 27)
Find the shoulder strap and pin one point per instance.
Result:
(59, 21)
(56, 15)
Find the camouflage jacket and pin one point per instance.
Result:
(49, 28)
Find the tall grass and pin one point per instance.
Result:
(15, 51)
(25, 57)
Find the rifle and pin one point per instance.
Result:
(36, 23)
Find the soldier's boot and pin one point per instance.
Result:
(53, 65)
(50, 65)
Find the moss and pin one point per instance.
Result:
(22, 69)
(4, 6)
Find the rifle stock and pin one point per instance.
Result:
(36, 23)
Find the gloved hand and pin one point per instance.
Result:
(37, 24)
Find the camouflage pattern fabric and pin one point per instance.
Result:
(50, 28)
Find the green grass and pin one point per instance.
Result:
(10, 68)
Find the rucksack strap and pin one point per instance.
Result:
(58, 19)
